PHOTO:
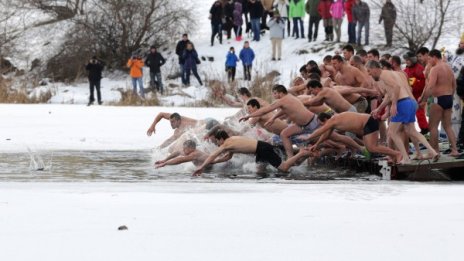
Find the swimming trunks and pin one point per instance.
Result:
(311, 126)
(405, 111)
(265, 153)
(372, 125)
(445, 101)
(361, 104)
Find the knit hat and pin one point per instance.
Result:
(411, 56)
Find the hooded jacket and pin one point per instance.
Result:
(297, 9)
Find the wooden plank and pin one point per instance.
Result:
(445, 162)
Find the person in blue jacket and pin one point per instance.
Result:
(247, 56)
(231, 64)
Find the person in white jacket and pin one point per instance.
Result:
(276, 30)
(281, 6)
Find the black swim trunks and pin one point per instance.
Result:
(265, 153)
(372, 125)
(445, 101)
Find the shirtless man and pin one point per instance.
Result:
(238, 144)
(303, 120)
(329, 96)
(353, 96)
(348, 52)
(244, 96)
(402, 110)
(423, 58)
(277, 125)
(178, 123)
(190, 154)
(347, 74)
(441, 85)
(359, 123)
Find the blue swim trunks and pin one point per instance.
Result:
(406, 111)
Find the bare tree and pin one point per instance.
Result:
(423, 22)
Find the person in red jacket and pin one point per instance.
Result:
(415, 72)
(351, 22)
(324, 11)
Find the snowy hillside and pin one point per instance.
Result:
(42, 43)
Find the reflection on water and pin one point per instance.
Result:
(137, 166)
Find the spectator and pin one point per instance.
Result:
(216, 15)
(388, 16)
(337, 11)
(238, 20)
(135, 64)
(229, 18)
(297, 13)
(180, 48)
(247, 56)
(95, 68)
(256, 12)
(191, 60)
(415, 72)
(155, 60)
(351, 22)
(314, 19)
(361, 14)
(281, 7)
(231, 64)
(276, 28)
(324, 10)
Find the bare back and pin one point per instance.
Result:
(350, 121)
(441, 80)
(240, 144)
(350, 76)
(295, 110)
(394, 83)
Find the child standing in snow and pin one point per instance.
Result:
(231, 64)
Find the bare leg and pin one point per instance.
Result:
(346, 140)
(371, 144)
(417, 138)
(393, 132)
(446, 122)
(434, 120)
(286, 165)
(285, 136)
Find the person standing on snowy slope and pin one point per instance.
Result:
(231, 64)
(215, 15)
(155, 60)
(228, 18)
(337, 11)
(247, 56)
(238, 20)
(314, 19)
(415, 72)
(95, 68)
(135, 64)
(281, 7)
(388, 16)
(351, 22)
(361, 14)
(297, 13)
(191, 60)
(180, 48)
(256, 10)
(276, 29)
(324, 10)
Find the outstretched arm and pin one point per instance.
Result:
(262, 111)
(178, 160)
(171, 156)
(209, 160)
(161, 115)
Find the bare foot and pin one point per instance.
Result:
(418, 157)
(454, 153)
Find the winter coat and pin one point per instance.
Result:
(155, 61)
(388, 14)
(238, 14)
(311, 8)
(281, 7)
(95, 71)
(216, 14)
(247, 56)
(180, 48)
(276, 28)
(297, 9)
(190, 59)
(416, 72)
(136, 66)
(231, 60)
(324, 9)
(256, 10)
(349, 10)
(337, 10)
(361, 12)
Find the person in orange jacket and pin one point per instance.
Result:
(136, 64)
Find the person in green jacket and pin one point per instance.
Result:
(297, 13)
(314, 19)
